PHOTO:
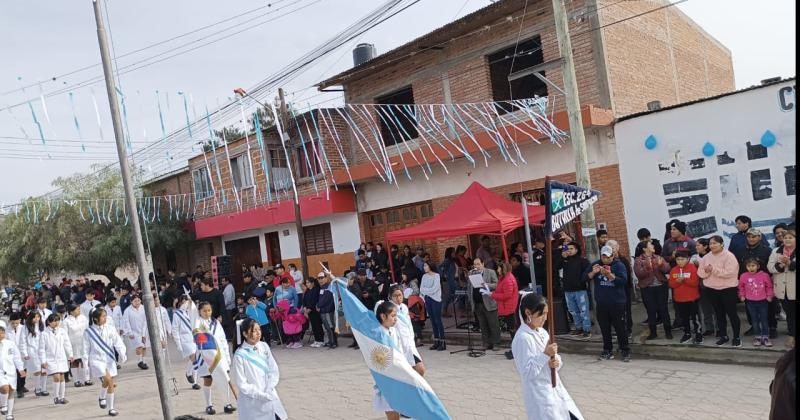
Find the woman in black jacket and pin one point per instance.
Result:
(310, 301)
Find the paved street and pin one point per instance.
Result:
(322, 384)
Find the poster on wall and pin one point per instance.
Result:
(566, 202)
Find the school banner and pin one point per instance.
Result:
(566, 202)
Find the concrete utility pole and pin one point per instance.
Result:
(298, 220)
(575, 125)
(130, 203)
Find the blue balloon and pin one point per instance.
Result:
(650, 143)
(708, 149)
(768, 139)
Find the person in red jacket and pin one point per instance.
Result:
(506, 295)
(685, 286)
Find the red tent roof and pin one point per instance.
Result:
(477, 210)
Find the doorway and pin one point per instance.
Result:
(273, 248)
(244, 252)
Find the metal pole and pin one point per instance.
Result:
(298, 220)
(575, 125)
(528, 242)
(130, 203)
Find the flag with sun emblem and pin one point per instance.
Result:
(403, 388)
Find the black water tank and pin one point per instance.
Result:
(363, 53)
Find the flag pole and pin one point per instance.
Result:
(549, 268)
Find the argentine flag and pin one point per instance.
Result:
(402, 387)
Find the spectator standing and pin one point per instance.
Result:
(755, 290)
(685, 284)
(602, 237)
(326, 306)
(709, 318)
(719, 271)
(257, 311)
(286, 292)
(447, 270)
(574, 266)
(650, 269)
(507, 296)
(431, 290)
(521, 272)
(756, 248)
(782, 264)
(297, 276)
(484, 306)
(380, 256)
(678, 241)
(778, 232)
(609, 277)
(738, 241)
(310, 304)
(484, 252)
(539, 261)
(644, 235)
(229, 296)
(419, 259)
(628, 286)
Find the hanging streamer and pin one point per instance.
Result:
(36, 122)
(75, 120)
(305, 152)
(286, 153)
(97, 113)
(125, 119)
(188, 122)
(46, 114)
(263, 148)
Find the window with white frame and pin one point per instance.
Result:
(202, 183)
(241, 171)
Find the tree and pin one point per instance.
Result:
(60, 237)
(229, 134)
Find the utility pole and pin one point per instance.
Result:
(575, 125)
(298, 220)
(130, 203)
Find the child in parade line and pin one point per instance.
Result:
(76, 323)
(56, 354)
(16, 333)
(114, 313)
(32, 339)
(534, 358)
(756, 290)
(685, 284)
(206, 324)
(184, 339)
(100, 342)
(10, 361)
(405, 331)
(135, 327)
(256, 375)
(386, 313)
(164, 324)
(89, 304)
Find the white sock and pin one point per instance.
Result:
(10, 407)
(207, 395)
(3, 399)
(194, 376)
(63, 389)
(190, 368)
(44, 382)
(141, 358)
(56, 389)
(103, 393)
(110, 401)
(86, 375)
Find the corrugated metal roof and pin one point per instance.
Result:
(710, 98)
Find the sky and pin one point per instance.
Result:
(40, 39)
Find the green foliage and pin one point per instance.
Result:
(59, 238)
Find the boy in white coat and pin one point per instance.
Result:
(256, 375)
(16, 333)
(10, 364)
(55, 354)
(89, 304)
(100, 342)
(184, 339)
(135, 326)
(164, 325)
(76, 323)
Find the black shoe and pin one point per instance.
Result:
(435, 345)
(333, 346)
(490, 347)
(686, 338)
(737, 342)
(626, 356)
(353, 345)
(102, 402)
(509, 355)
(749, 332)
(356, 347)
(20, 395)
(442, 346)
(196, 386)
(88, 383)
(44, 394)
(698, 338)
(668, 335)
(229, 409)
(25, 389)
(190, 378)
(652, 336)
(708, 333)
(606, 355)
(210, 410)
(142, 365)
(113, 412)
(773, 333)
(722, 340)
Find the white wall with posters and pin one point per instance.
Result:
(671, 177)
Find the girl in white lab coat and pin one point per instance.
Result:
(10, 364)
(256, 375)
(135, 327)
(113, 313)
(534, 358)
(405, 331)
(56, 355)
(164, 325)
(100, 342)
(206, 324)
(15, 332)
(76, 323)
(386, 312)
(184, 340)
(32, 342)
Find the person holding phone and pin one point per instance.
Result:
(610, 277)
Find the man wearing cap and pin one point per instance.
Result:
(280, 274)
(610, 277)
(738, 241)
(755, 247)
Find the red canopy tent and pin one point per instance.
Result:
(477, 211)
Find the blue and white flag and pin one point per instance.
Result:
(400, 385)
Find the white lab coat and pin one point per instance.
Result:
(75, 327)
(17, 336)
(405, 335)
(256, 375)
(164, 326)
(135, 325)
(542, 401)
(182, 333)
(214, 328)
(56, 350)
(30, 349)
(100, 357)
(44, 314)
(10, 363)
(114, 317)
(87, 306)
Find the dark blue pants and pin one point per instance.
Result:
(758, 313)
(434, 310)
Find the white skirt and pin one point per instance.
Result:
(9, 380)
(33, 364)
(98, 368)
(58, 366)
(138, 342)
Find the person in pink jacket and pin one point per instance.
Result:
(719, 270)
(507, 295)
(755, 290)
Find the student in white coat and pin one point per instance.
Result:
(206, 325)
(89, 304)
(16, 333)
(41, 308)
(32, 342)
(405, 331)
(100, 342)
(164, 325)
(256, 375)
(114, 313)
(56, 355)
(76, 323)
(534, 358)
(10, 364)
(135, 327)
(184, 340)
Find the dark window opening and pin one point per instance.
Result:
(397, 121)
(528, 54)
(318, 239)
